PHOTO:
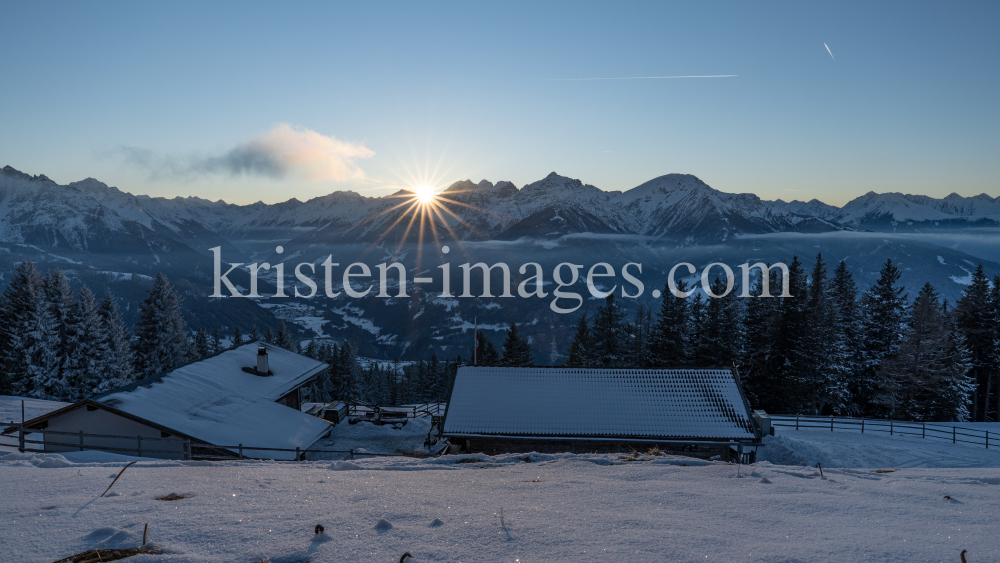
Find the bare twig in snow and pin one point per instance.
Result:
(116, 478)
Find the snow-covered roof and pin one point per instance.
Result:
(214, 400)
(571, 402)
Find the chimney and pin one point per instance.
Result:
(262, 361)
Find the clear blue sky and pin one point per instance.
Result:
(910, 100)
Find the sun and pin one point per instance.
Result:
(424, 194)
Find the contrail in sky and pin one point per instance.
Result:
(644, 77)
(828, 50)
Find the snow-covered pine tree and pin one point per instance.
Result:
(995, 307)
(200, 346)
(269, 336)
(757, 366)
(237, 338)
(312, 350)
(516, 349)
(955, 394)
(119, 362)
(87, 348)
(929, 367)
(883, 318)
(348, 371)
(161, 339)
(284, 337)
(975, 319)
(847, 331)
(28, 336)
(719, 341)
(580, 349)
(216, 342)
(793, 339)
(60, 303)
(254, 334)
(640, 352)
(609, 336)
(435, 376)
(828, 373)
(670, 341)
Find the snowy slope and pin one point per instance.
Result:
(555, 508)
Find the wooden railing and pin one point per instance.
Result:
(932, 430)
(361, 410)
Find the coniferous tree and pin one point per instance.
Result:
(28, 336)
(284, 337)
(719, 337)
(995, 313)
(60, 302)
(84, 367)
(670, 344)
(609, 335)
(216, 346)
(161, 336)
(580, 349)
(928, 371)
(793, 338)
(118, 365)
(488, 354)
(269, 336)
(516, 349)
(254, 334)
(883, 314)
(757, 365)
(200, 347)
(237, 338)
(828, 368)
(975, 318)
(312, 350)
(641, 333)
(847, 331)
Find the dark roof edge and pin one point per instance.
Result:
(608, 438)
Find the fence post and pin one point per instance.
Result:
(81, 440)
(796, 422)
(352, 453)
(297, 453)
(890, 427)
(987, 439)
(923, 431)
(241, 451)
(831, 424)
(952, 434)
(862, 425)
(138, 451)
(20, 438)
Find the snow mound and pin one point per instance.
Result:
(365, 436)
(382, 525)
(344, 466)
(112, 538)
(870, 451)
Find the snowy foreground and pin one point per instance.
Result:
(556, 508)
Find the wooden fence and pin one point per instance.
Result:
(187, 449)
(930, 430)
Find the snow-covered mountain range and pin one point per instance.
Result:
(90, 216)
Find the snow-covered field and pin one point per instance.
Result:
(556, 508)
